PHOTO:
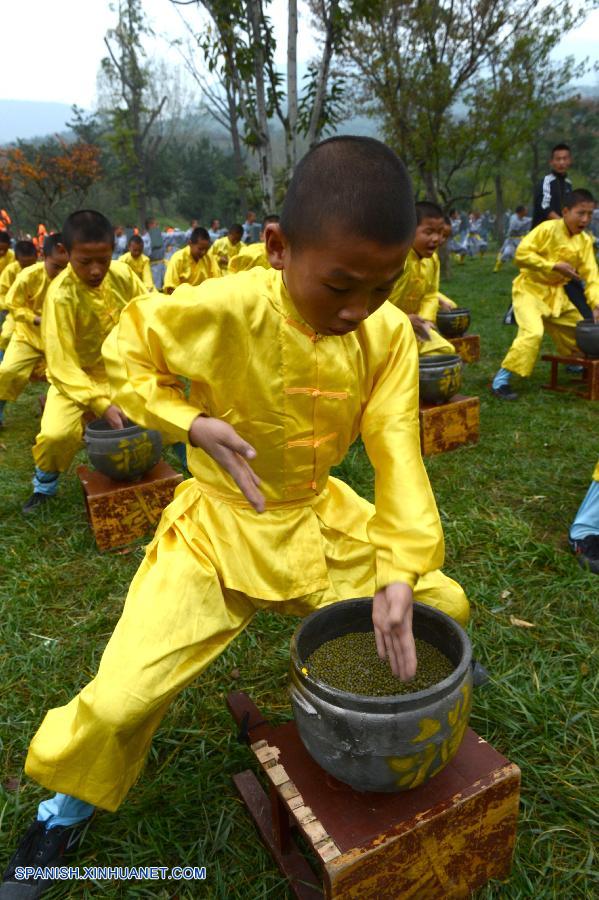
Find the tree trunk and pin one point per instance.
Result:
(499, 207)
(292, 83)
(534, 173)
(445, 260)
(237, 151)
(429, 183)
(264, 146)
(316, 116)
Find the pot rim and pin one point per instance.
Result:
(391, 703)
(100, 429)
(437, 359)
(458, 311)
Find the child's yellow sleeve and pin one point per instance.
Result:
(429, 306)
(146, 275)
(587, 269)
(16, 301)
(58, 335)
(171, 277)
(157, 340)
(533, 252)
(405, 530)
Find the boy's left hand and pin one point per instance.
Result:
(392, 620)
(596, 314)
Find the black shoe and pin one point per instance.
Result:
(39, 848)
(587, 552)
(505, 392)
(34, 501)
(575, 370)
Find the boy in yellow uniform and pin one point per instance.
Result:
(549, 256)
(225, 248)
(25, 301)
(82, 305)
(136, 259)
(286, 367)
(192, 264)
(25, 256)
(252, 255)
(6, 254)
(417, 291)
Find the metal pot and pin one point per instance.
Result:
(381, 743)
(453, 322)
(587, 337)
(440, 377)
(125, 454)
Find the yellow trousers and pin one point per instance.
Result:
(7, 331)
(60, 433)
(534, 315)
(178, 617)
(436, 344)
(19, 362)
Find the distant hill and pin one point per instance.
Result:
(31, 119)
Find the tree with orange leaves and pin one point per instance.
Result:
(49, 177)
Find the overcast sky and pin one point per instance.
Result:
(52, 52)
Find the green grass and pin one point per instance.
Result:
(506, 505)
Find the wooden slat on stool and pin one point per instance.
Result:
(119, 512)
(589, 380)
(450, 425)
(467, 347)
(439, 841)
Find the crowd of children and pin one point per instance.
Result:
(314, 356)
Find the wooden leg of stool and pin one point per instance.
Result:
(302, 880)
(281, 826)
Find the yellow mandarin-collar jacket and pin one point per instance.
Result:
(75, 322)
(300, 399)
(25, 301)
(183, 269)
(7, 279)
(141, 266)
(416, 291)
(543, 247)
(224, 247)
(251, 255)
(6, 260)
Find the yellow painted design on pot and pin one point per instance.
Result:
(135, 453)
(428, 727)
(418, 767)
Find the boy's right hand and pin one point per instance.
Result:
(220, 441)
(566, 270)
(115, 417)
(421, 327)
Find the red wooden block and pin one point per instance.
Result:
(119, 512)
(450, 425)
(467, 347)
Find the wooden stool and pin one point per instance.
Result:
(590, 377)
(467, 347)
(438, 841)
(119, 512)
(450, 425)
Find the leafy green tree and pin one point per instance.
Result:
(238, 47)
(414, 62)
(133, 111)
